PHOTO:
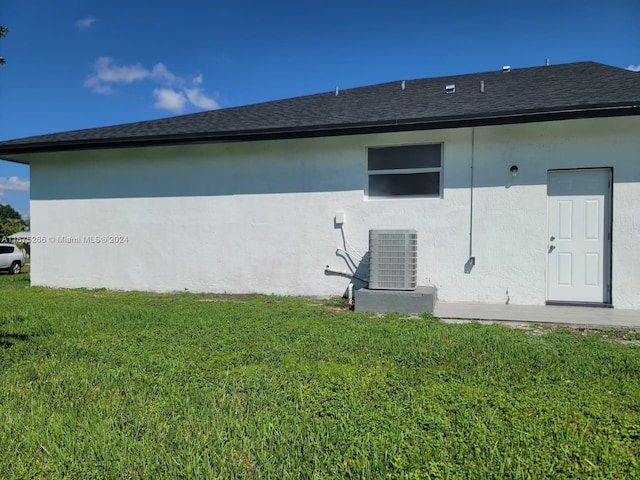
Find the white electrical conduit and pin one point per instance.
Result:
(349, 255)
(348, 243)
(344, 273)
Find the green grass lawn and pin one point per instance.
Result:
(101, 384)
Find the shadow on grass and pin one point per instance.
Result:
(7, 340)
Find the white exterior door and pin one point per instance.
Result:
(579, 212)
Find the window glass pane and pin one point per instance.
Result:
(410, 156)
(424, 184)
(6, 249)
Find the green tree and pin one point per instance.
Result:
(3, 32)
(7, 212)
(10, 221)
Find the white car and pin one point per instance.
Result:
(11, 258)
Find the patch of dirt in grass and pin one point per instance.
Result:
(630, 337)
(229, 297)
(340, 307)
(626, 342)
(627, 337)
(336, 304)
(536, 330)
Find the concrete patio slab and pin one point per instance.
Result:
(569, 316)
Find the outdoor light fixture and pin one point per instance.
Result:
(514, 170)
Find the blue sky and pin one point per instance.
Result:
(75, 64)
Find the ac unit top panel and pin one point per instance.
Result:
(393, 232)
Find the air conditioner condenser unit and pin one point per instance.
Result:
(393, 259)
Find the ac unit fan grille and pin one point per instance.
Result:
(393, 259)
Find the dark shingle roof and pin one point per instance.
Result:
(574, 90)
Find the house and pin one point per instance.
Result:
(20, 237)
(523, 186)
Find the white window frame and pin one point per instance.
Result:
(396, 171)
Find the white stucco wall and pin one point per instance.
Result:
(259, 217)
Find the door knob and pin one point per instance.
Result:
(552, 239)
(551, 248)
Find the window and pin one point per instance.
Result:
(411, 170)
(6, 249)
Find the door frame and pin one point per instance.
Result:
(607, 277)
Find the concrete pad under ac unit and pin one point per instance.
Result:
(420, 300)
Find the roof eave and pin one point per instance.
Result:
(500, 118)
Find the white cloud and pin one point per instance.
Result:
(161, 74)
(85, 23)
(106, 72)
(169, 99)
(13, 183)
(174, 96)
(634, 68)
(197, 97)
(96, 86)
